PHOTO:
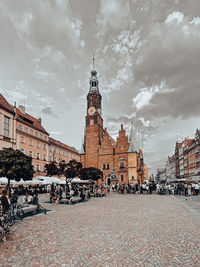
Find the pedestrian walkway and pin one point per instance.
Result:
(118, 230)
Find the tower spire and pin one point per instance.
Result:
(93, 61)
(132, 147)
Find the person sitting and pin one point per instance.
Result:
(25, 198)
(30, 198)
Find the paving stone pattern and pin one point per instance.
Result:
(118, 230)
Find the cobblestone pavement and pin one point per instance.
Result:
(118, 230)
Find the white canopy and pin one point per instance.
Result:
(3, 180)
(79, 181)
(50, 180)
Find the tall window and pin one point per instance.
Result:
(104, 166)
(36, 133)
(38, 144)
(44, 147)
(26, 129)
(30, 153)
(22, 139)
(38, 155)
(31, 142)
(6, 126)
(20, 127)
(122, 177)
(44, 157)
(108, 166)
(38, 167)
(31, 131)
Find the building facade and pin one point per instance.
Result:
(100, 150)
(20, 130)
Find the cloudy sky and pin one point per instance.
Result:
(147, 57)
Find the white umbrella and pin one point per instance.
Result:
(3, 180)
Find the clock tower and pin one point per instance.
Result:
(94, 122)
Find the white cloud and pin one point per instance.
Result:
(113, 13)
(176, 16)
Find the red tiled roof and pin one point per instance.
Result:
(5, 105)
(30, 121)
(61, 145)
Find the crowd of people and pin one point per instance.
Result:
(179, 188)
(71, 191)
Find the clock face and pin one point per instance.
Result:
(91, 110)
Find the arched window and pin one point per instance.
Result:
(93, 84)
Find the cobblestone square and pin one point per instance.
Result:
(117, 230)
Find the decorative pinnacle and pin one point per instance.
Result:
(93, 60)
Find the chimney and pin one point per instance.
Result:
(40, 120)
(22, 109)
(121, 127)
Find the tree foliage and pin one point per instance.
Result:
(91, 173)
(61, 167)
(15, 165)
(73, 169)
(51, 168)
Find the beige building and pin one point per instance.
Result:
(22, 131)
(32, 139)
(59, 151)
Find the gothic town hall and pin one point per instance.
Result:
(118, 159)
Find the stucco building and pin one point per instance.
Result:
(100, 150)
(20, 130)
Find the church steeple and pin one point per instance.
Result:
(132, 147)
(94, 83)
(94, 96)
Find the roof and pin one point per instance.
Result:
(62, 145)
(30, 121)
(190, 142)
(5, 105)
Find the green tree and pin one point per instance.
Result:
(72, 170)
(51, 168)
(91, 173)
(61, 167)
(15, 165)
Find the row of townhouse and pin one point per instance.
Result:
(185, 163)
(22, 131)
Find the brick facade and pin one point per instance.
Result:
(102, 151)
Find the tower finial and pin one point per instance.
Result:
(93, 60)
